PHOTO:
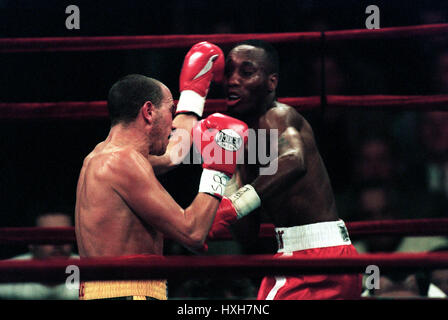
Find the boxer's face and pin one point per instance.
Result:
(163, 122)
(246, 80)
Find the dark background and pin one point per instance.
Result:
(40, 160)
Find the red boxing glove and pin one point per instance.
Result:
(220, 140)
(225, 216)
(239, 204)
(202, 64)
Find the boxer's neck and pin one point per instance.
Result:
(129, 136)
(252, 120)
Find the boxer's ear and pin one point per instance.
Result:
(272, 82)
(148, 112)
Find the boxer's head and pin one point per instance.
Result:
(146, 103)
(161, 120)
(251, 78)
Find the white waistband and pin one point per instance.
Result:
(316, 235)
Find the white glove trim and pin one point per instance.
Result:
(245, 200)
(213, 182)
(190, 101)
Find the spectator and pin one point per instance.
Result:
(396, 285)
(44, 291)
(434, 283)
(428, 171)
(438, 279)
(375, 161)
(434, 138)
(378, 202)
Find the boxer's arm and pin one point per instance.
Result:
(203, 64)
(135, 181)
(290, 164)
(178, 146)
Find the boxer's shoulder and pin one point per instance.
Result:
(283, 107)
(282, 115)
(113, 162)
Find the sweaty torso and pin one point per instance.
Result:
(105, 225)
(306, 199)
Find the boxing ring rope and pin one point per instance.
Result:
(156, 267)
(414, 227)
(10, 45)
(98, 109)
(187, 267)
(173, 267)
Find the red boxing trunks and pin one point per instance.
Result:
(314, 240)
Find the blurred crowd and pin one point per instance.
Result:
(383, 164)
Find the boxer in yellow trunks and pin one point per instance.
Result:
(121, 208)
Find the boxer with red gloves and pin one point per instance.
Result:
(203, 64)
(121, 207)
(297, 197)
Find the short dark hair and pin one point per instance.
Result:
(272, 61)
(128, 94)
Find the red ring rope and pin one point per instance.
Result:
(187, 267)
(181, 41)
(163, 267)
(414, 227)
(98, 109)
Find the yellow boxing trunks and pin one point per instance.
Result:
(137, 289)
